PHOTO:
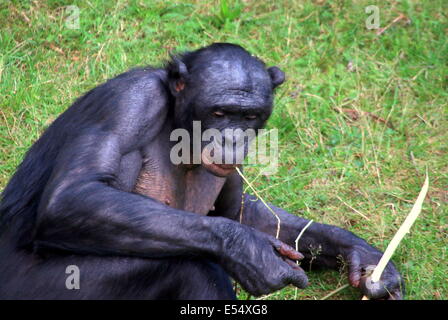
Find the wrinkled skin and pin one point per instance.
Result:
(98, 190)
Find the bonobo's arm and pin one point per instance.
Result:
(321, 244)
(83, 210)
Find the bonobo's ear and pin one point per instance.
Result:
(277, 76)
(177, 75)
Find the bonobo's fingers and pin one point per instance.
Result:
(354, 269)
(286, 250)
(297, 276)
(373, 290)
(392, 285)
(261, 263)
(293, 264)
(387, 288)
(395, 295)
(362, 260)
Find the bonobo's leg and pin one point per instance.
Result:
(199, 279)
(44, 276)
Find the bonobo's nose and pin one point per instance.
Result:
(236, 145)
(230, 146)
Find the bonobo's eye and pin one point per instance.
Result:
(218, 114)
(251, 117)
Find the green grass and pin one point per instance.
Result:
(327, 161)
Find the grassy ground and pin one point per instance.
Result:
(333, 169)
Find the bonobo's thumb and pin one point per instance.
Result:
(285, 250)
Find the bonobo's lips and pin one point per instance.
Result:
(221, 170)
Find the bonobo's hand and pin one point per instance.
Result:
(261, 263)
(361, 262)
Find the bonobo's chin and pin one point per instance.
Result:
(220, 170)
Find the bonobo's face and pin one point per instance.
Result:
(230, 92)
(231, 95)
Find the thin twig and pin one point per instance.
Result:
(357, 211)
(301, 233)
(335, 291)
(297, 246)
(397, 19)
(262, 200)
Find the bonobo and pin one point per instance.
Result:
(98, 191)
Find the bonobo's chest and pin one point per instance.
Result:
(193, 190)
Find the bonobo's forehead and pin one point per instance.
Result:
(233, 80)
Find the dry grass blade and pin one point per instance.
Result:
(262, 200)
(335, 291)
(396, 20)
(355, 115)
(301, 233)
(357, 211)
(297, 246)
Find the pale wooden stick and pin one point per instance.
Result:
(402, 231)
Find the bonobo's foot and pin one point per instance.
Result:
(361, 262)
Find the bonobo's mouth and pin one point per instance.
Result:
(220, 170)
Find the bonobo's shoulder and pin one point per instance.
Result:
(142, 103)
(133, 105)
(142, 74)
(142, 82)
(138, 92)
